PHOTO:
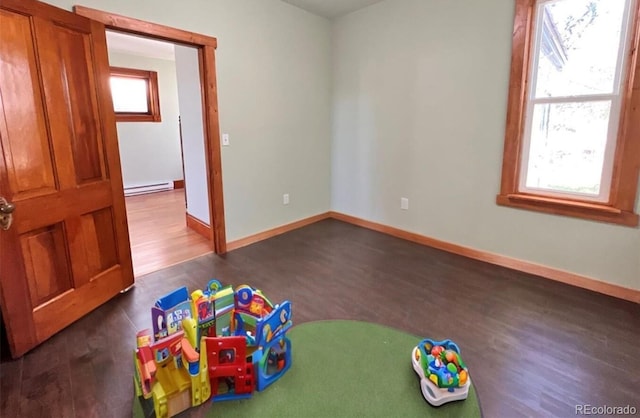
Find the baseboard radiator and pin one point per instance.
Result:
(148, 188)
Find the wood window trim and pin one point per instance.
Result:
(619, 209)
(153, 97)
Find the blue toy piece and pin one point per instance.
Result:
(212, 287)
(274, 348)
(274, 363)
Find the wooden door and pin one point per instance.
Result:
(67, 251)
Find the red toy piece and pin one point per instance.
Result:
(230, 373)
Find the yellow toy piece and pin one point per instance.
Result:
(171, 392)
(136, 382)
(159, 401)
(190, 328)
(463, 377)
(196, 294)
(267, 333)
(171, 387)
(200, 384)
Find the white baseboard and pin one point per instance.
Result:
(148, 188)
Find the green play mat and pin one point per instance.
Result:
(345, 369)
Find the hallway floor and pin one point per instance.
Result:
(158, 232)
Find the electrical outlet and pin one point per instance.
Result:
(404, 203)
(225, 140)
(285, 199)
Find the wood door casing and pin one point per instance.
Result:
(208, 83)
(68, 249)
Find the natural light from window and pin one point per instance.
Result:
(574, 97)
(129, 94)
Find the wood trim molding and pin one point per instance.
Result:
(178, 184)
(209, 88)
(140, 27)
(578, 209)
(610, 289)
(199, 227)
(252, 239)
(207, 46)
(546, 272)
(627, 159)
(626, 163)
(520, 51)
(153, 95)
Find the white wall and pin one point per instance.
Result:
(273, 67)
(419, 108)
(150, 151)
(193, 149)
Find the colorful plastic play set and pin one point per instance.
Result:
(443, 375)
(219, 343)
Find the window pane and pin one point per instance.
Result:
(578, 47)
(129, 94)
(568, 142)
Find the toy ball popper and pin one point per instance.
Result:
(443, 375)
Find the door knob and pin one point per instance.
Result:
(6, 213)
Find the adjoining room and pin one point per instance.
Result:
(156, 93)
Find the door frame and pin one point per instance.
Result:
(207, 59)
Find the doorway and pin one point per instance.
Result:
(205, 47)
(157, 97)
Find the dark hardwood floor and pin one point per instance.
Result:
(534, 347)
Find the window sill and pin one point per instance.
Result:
(585, 210)
(137, 117)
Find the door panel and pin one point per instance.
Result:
(92, 238)
(68, 249)
(26, 145)
(30, 215)
(45, 263)
(59, 312)
(78, 128)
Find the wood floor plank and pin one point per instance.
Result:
(158, 232)
(10, 383)
(534, 347)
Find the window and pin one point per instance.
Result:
(135, 95)
(572, 143)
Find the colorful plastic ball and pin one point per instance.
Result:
(452, 357)
(437, 350)
(463, 377)
(452, 368)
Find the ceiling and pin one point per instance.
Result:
(332, 8)
(137, 45)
